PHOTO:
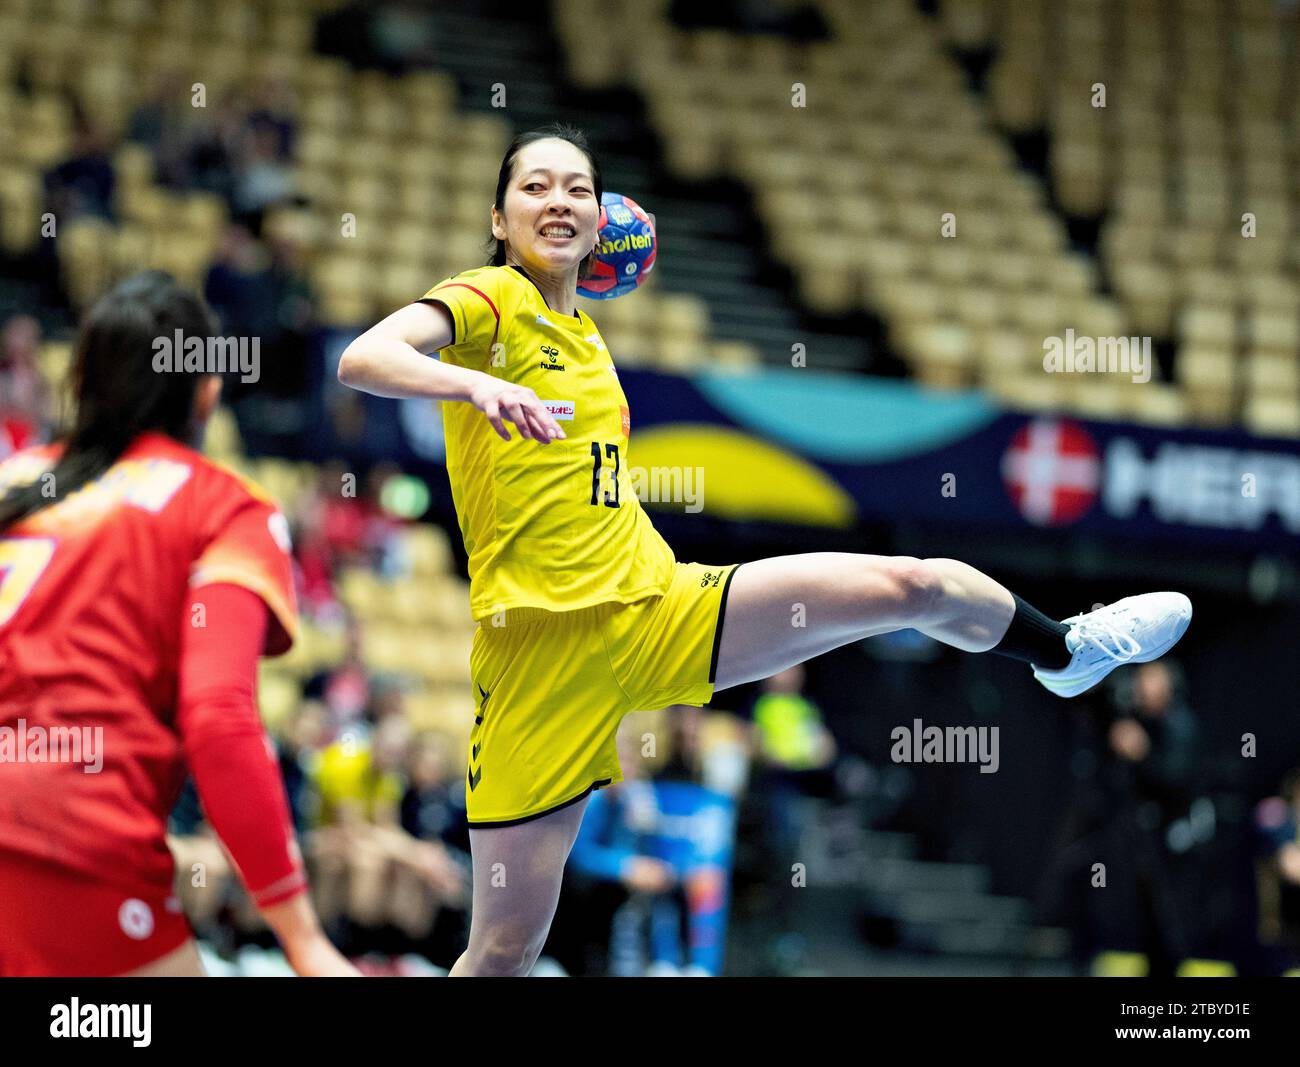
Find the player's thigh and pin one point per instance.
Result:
(518, 871)
(788, 609)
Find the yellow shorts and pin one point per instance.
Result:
(550, 689)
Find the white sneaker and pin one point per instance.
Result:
(1136, 629)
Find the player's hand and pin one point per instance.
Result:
(317, 958)
(645, 874)
(442, 872)
(305, 945)
(504, 401)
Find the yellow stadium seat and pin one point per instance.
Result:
(1120, 965)
(736, 355)
(1271, 330)
(1159, 404)
(1028, 392)
(1206, 969)
(1272, 415)
(1199, 325)
(278, 697)
(1273, 371)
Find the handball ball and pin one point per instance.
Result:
(625, 253)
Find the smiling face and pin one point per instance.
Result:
(551, 211)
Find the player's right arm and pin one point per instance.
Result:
(390, 360)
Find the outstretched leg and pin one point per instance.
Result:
(787, 609)
(517, 875)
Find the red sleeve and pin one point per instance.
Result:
(244, 541)
(229, 754)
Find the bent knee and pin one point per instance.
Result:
(915, 587)
(507, 950)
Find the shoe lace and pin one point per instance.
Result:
(1108, 637)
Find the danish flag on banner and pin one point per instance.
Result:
(1052, 471)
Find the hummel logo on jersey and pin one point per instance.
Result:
(710, 579)
(552, 354)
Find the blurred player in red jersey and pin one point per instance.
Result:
(139, 584)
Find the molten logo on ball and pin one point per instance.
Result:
(625, 252)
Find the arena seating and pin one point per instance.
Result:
(857, 184)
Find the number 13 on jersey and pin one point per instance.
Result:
(610, 453)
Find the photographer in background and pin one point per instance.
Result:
(1136, 766)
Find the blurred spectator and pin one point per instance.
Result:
(272, 111)
(261, 291)
(234, 285)
(262, 176)
(84, 183)
(344, 517)
(357, 530)
(1277, 821)
(793, 753)
(433, 814)
(611, 847)
(433, 806)
(788, 728)
(361, 781)
(210, 155)
(314, 561)
(24, 393)
(162, 122)
(344, 688)
(394, 37)
(793, 757)
(666, 843)
(1137, 764)
(368, 868)
(293, 302)
(381, 528)
(299, 751)
(335, 529)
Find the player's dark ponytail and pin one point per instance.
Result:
(563, 132)
(117, 392)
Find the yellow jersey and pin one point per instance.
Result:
(553, 526)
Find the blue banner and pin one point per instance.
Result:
(814, 448)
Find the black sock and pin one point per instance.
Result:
(1034, 638)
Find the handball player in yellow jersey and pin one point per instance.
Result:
(584, 612)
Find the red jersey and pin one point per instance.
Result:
(93, 591)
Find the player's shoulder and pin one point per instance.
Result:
(488, 280)
(213, 479)
(28, 464)
(231, 481)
